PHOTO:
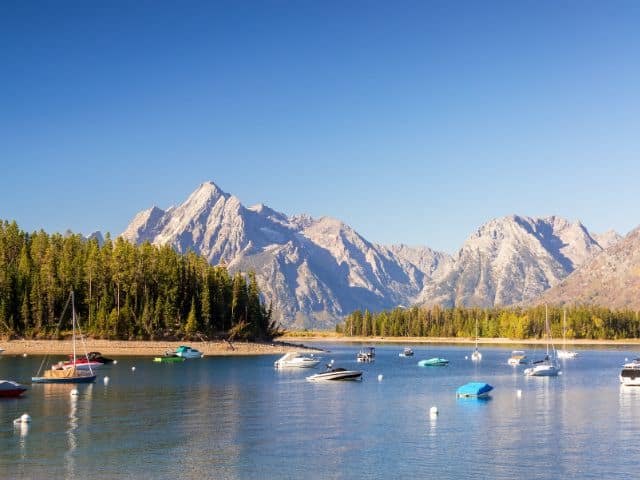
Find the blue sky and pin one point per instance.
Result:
(414, 122)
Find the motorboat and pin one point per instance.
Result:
(433, 362)
(9, 388)
(517, 357)
(171, 358)
(187, 352)
(1, 350)
(407, 352)
(564, 353)
(98, 357)
(296, 360)
(630, 374)
(366, 355)
(73, 373)
(546, 367)
(474, 389)
(336, 374)
(81, 363)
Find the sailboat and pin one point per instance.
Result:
(476, 355)
(564, 353)
(73, 374)
(546, 367)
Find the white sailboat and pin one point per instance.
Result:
(476, 356)
(564, 353)
(546, 367)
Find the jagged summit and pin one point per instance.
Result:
(315, 271)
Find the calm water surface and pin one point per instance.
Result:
(239, 418)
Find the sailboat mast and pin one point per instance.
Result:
(546, 325)
(73, 326)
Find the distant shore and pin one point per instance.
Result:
(329, 337)
(149, 348)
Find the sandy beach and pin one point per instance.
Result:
(149, 348)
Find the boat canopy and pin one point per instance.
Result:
(474, 389)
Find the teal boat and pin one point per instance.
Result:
(433, 362)
(169, 359)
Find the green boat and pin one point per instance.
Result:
(169, 359)
(433, 362)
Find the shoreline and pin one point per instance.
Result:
(151, 348)
(457, 340)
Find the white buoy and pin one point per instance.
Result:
(74, 392)
(626, 359)
(466, 357)
(133, 369)
(115, 362)
(105, 380)
(433, 411)
(24, 418)
(518, 393)
(24, 355)
(380, 377)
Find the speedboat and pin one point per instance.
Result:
(81, 363)
(543, 368)
(407, 352)
(366, 355)
(9, 388)
(336, 374)
(433, 362)
(630, 374)
(97, 357)
(296, 360)
(517, 358)
(187, 352)
(474, 389)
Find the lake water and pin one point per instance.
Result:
(229, 418)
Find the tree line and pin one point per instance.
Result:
(582, 322)
(122, 291)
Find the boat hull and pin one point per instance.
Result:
(542, 371)
(87, 379)
(11, 389)
(433, 362)
(347, 375)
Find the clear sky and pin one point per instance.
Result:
(414, 122)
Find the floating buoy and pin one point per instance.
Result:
(626, 359)
(466, 357)
(105, 380)
(24, 418)
(24, 355)
(74, 392)
(518, 393)
(115, 362)
(133, 369)
(433, 411)
(380, 377)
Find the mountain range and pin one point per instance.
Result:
(315, 271)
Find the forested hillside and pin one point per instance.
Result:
(122, 291)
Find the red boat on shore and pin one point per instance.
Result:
(9, 388)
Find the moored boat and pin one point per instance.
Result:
(517, 357)
(407, 352)
(433, 362)
(366, 355)
(187, 352)
(630, 374)
(474, 389)
(9, 388)
(546, 367)
(336, 374)
(296, 360)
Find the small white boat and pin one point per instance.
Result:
(517, 357)
(1, 350)
(296, 360)
(630, 374)
(187, 352)
(336, 374)
(407, 352)
(476, 356)
(366, 355)
(564, 353)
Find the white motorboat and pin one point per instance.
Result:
(564, 353)
(630, 374)
(366, 355)
(296, 360)
(546, 367)
(517, 357)
(336, 374)
(407, 352)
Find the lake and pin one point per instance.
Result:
(239, 418)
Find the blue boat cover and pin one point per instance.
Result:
(474, 389)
